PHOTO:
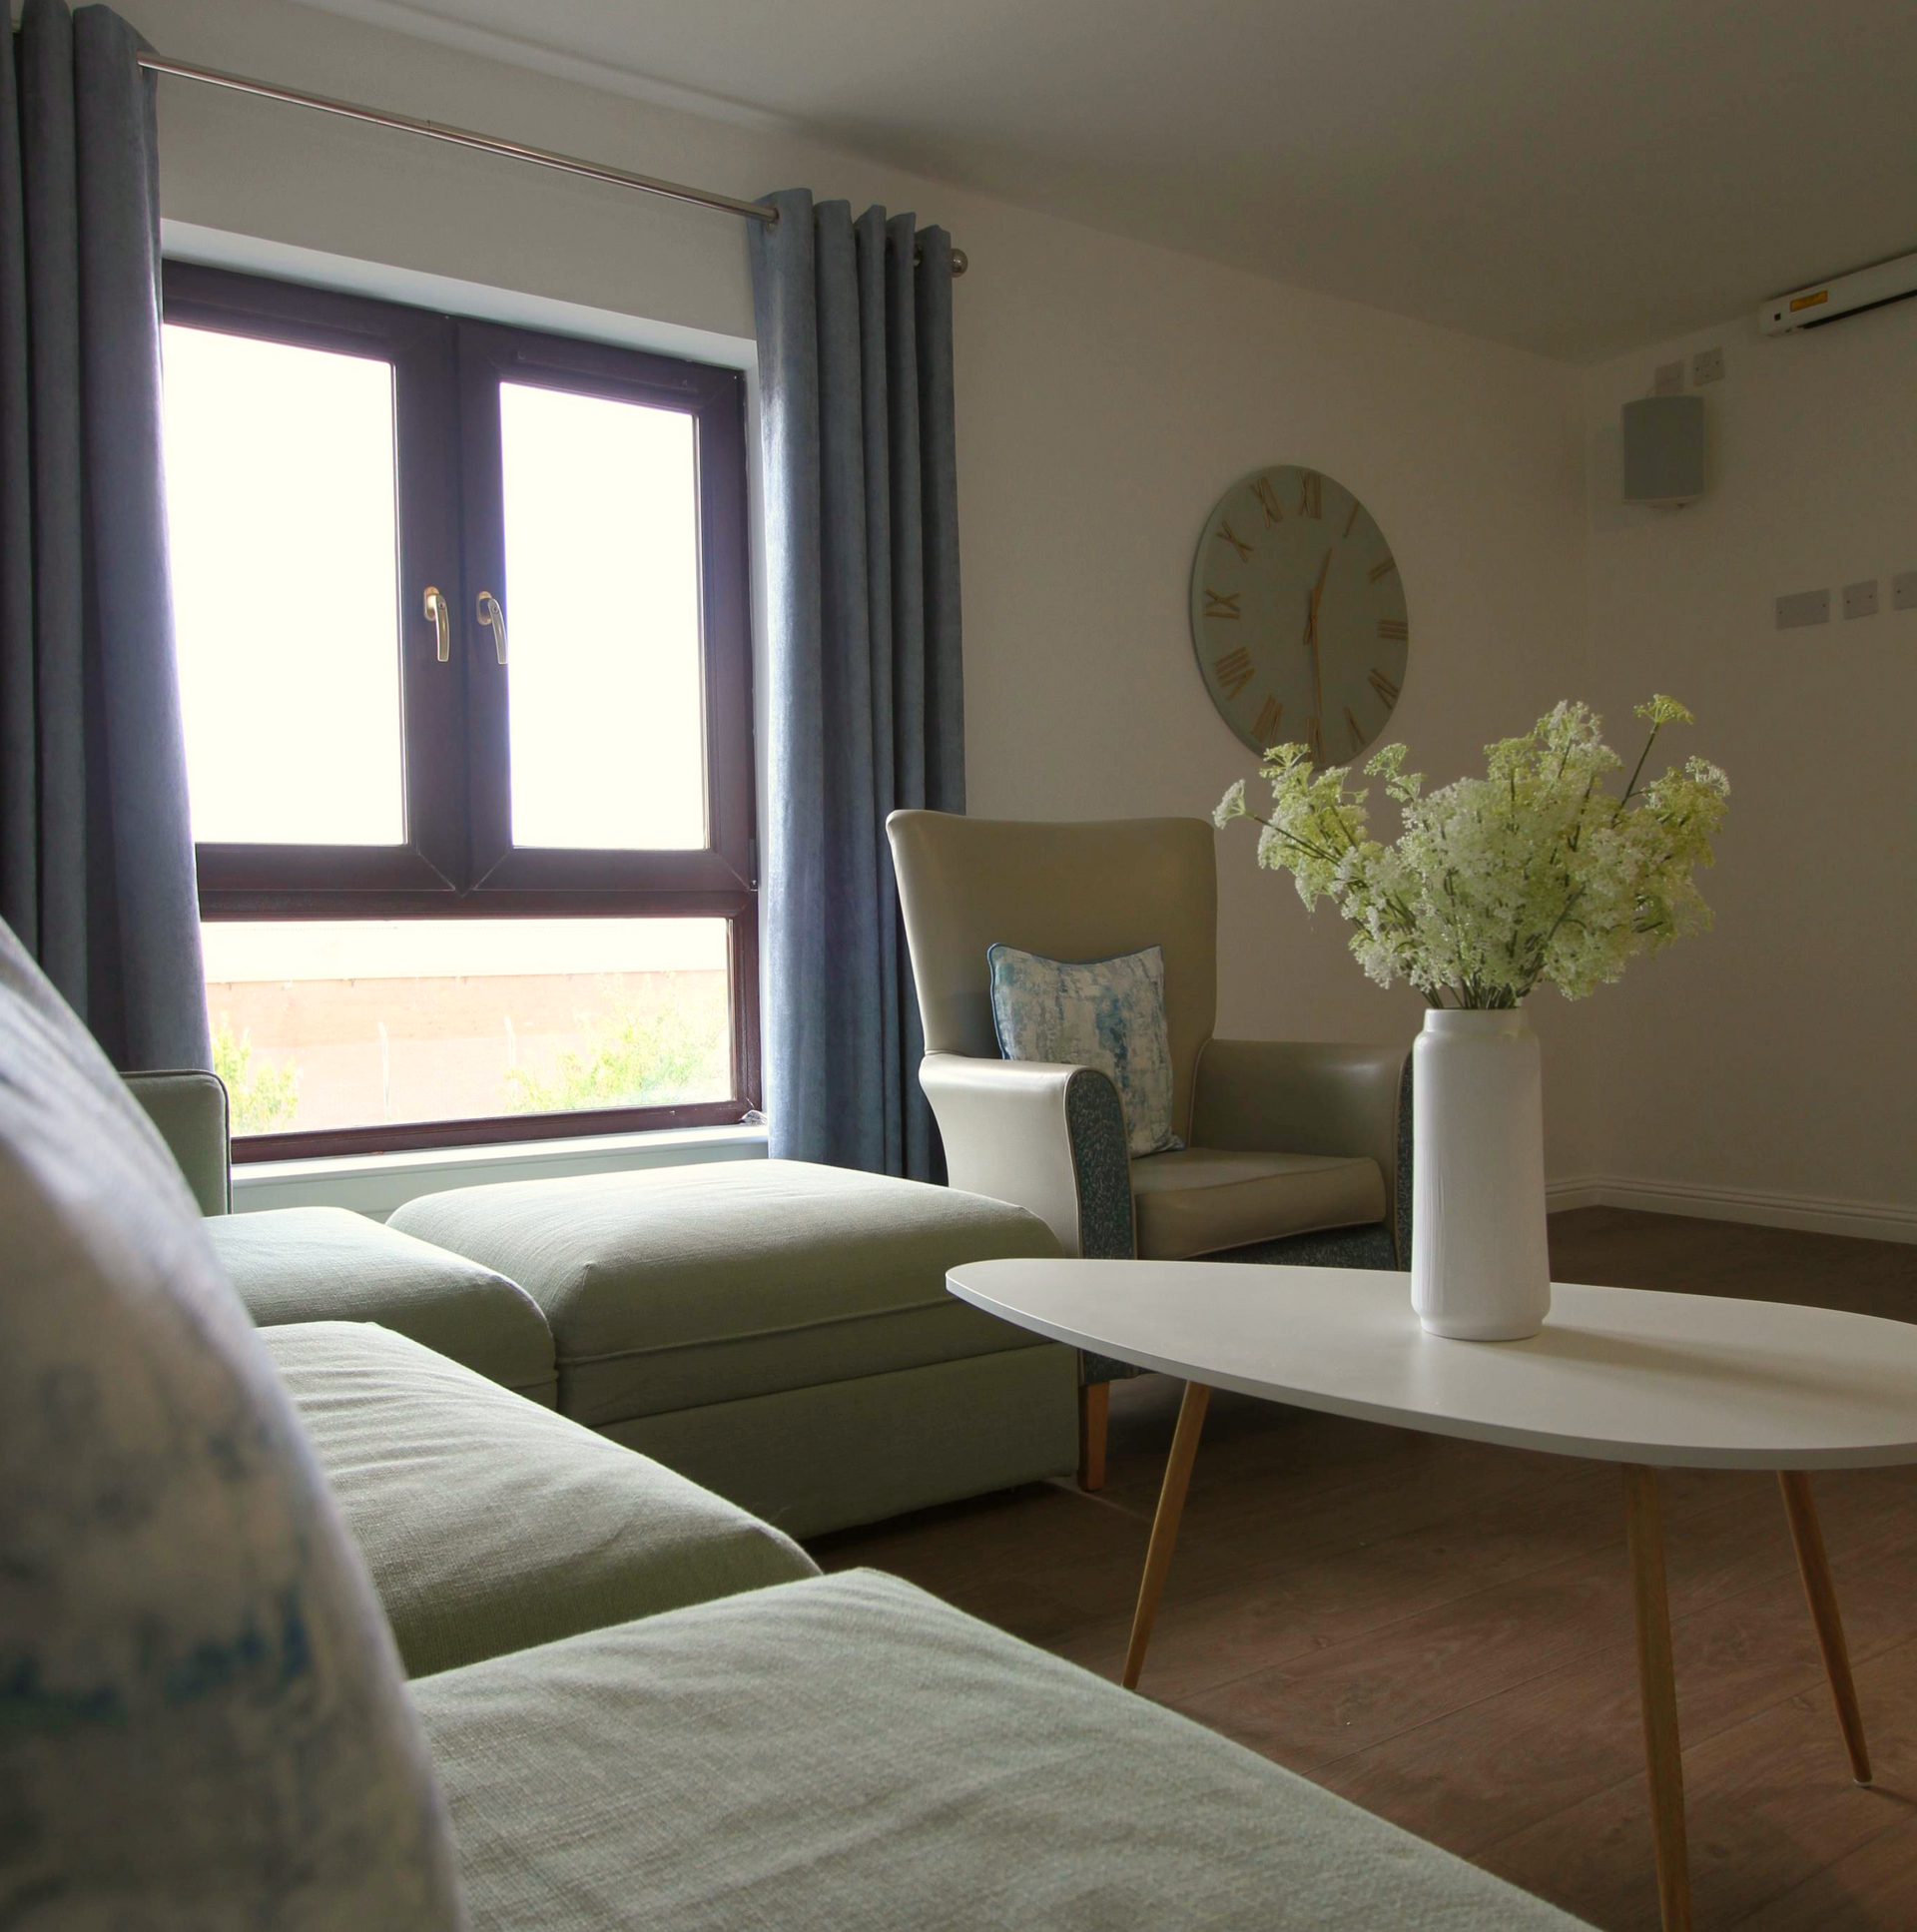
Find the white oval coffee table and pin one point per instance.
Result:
(1630, 1376)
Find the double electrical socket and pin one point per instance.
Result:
(1801, 608)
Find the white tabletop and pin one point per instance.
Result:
(1623, 1374)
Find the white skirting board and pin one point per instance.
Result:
(1816, 1214)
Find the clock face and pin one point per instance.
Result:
(1298, 615)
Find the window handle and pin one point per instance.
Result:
(492, 612)
(441, 617)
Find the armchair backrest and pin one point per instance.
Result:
(1069, 892)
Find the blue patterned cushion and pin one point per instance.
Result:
(202, 1718)
(1107, 1014)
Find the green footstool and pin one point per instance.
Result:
(779, 1332)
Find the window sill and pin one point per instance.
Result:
(376, 1184)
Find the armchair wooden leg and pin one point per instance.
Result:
(1094, 1406)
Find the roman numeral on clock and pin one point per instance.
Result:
(1226, 534)
(1351, 522)
(1311, 493)
(1356, 728)
(1379, 571)
(1394, 630)
(1267, 499)
(1386, 690)
(1234, 671)
(1315, 739)
(1265, 728)
(1225, 605)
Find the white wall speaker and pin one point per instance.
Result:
(1664, 450)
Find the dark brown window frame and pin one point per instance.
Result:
(457, 861)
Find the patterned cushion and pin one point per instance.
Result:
(1107, 1014)
(202, 1720)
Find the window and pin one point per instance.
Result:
(466, 669)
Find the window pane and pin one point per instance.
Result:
(602, 601)
(279, 500)
(352, 1024)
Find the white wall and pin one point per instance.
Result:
(1768, 1069)
(1108, 392)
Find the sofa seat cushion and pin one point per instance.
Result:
(682, 1286)
(490, 1525)
(850, 1754)
(1201, 1200)
(322, 1264)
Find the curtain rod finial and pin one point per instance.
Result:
(961, 261)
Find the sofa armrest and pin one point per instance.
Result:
(1043, 1135)
(190, 1111)
(1306, 1097)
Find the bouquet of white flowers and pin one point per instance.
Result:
(1534, 872)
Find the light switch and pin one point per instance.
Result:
(1707, 365)
(1903, 591)
(1804, 607)
(1860, 600)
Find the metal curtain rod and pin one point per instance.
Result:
(487, 142)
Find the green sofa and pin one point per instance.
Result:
(626, 1704)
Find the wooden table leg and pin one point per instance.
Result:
(1657, 1686)
(1164, 1526)
(1824, 1615)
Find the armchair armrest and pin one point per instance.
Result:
(1043, 1135)
(1309, 1097)
(190, 1111)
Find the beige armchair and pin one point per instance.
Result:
(1294, 1151)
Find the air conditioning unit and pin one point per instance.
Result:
(1846, 295)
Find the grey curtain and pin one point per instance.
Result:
(867, 698)
(96, 854)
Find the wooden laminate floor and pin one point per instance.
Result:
(1442, 1630)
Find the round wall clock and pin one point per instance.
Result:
(1298, 615)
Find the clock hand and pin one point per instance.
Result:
(1311, 636)
(1317, 593)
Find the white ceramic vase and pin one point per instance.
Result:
(1480, 1268)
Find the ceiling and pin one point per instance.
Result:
(1574, 177)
